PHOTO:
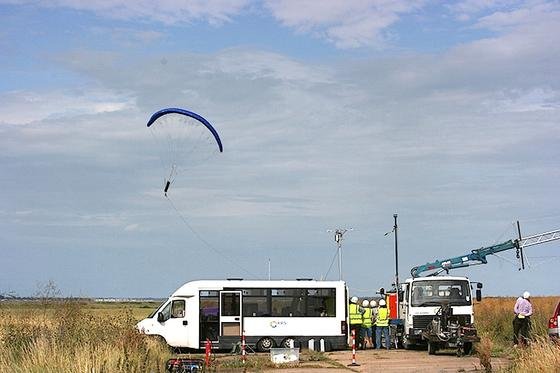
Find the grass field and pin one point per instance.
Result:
(493, 318)
(82, 336)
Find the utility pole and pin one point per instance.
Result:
(395, 231)
(396, 228)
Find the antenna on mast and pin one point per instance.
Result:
(338, 238)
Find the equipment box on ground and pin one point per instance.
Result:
(284, 355)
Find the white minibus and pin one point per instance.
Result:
(271, 313)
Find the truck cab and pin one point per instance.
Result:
(422, 300)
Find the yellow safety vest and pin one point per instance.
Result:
(355, 315)
(366, 318)
(382, 316)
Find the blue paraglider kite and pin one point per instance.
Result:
(186, 135)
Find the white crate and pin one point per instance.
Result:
(284, 355)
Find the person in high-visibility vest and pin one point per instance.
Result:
(382, 325)
(355, 314)
(366, 325)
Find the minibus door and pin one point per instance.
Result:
(230, 313)
(173, 323)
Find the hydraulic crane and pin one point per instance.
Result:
(438, 310)
(478, 256)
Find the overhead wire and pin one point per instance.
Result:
(332, 262)
(206, 243)
(178, 130)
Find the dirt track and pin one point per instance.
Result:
(399, 361)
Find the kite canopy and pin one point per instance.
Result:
(201, 119)
(184, 140)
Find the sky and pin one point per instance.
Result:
(333, 114)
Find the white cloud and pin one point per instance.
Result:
(466, 9)
(64, 218)
(527, 16)
(131, 227)
(129, 36)
(165, 11)
(24, 212)
(252, 65)
(534, 100)
(346, 23)
(23, 107)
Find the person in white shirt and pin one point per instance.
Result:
(523, 310)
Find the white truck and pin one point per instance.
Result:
(438, 311)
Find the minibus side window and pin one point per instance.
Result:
(288, 302)
(321, 302)
(178, 309)
(255, 302)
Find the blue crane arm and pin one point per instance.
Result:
(477, 256)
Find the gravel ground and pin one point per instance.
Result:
(398, 361)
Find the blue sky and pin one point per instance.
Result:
(332, 113)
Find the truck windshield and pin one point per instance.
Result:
(436, 292)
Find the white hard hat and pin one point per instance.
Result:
(372, 303)
(382, 302)
(526, 295)
(365, 303)
(354, 299)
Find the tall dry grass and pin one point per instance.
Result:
(68, 337)
(484, 351)
(541, 356)
(61, 337)
(494, 321)
(494, 317)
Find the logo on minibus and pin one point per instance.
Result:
(274, 324)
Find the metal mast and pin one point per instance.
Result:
(338, 237)
(395, 229)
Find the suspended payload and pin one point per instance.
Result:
(185, 139)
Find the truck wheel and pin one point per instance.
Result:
(287, 342)
(265, 344)
(432, 348)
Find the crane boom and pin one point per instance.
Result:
(478, 256)
(540, 238)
